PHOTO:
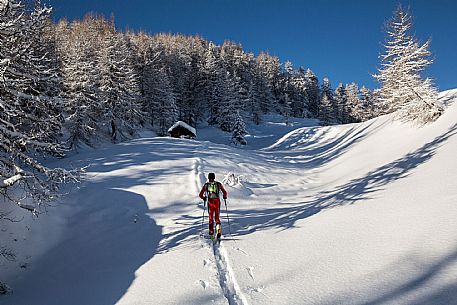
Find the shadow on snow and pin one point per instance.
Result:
(443, 295)
(102, 249)
(247, 221)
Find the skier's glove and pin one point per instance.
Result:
(204, 199)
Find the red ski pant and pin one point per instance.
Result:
(214, 206)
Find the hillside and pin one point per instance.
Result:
(351, 214)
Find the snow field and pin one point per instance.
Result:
(355, 214)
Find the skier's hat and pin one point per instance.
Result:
(211, 176)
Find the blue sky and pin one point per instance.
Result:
(340, 40)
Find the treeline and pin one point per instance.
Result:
(66, 84)
(113, 83)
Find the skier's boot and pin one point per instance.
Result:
(218, 231)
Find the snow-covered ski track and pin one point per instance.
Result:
(227, 280)
(225, 274)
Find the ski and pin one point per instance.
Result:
(208, 237)
(215, 238)
(211, 237)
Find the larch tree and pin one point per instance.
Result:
(29, 111)
(313, 92)
(340, 102)
(230, 103)
(81, 95)
(164, 102)
(403, 90)
(366, 104)
(239, 130)
(353, 109)
(326, 103)
(261, 90)
(270, 69)
(119, 86)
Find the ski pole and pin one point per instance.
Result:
(203, 217)
(228, 219)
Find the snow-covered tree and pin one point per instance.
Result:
(239, 130)
(114, 83)
(119, 86)
(326, 104)
(270, 68)
(340, 102)
(353, 109)
(299, 97)
(326, 112)
(163, 102)
(403, 89)
(313, 92)
(261, 99)
(214, 74)
(29, 111)
(367, 110)
(80, 93)
(230, 103)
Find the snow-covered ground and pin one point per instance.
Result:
(354, 214)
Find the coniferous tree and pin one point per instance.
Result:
(239, 130)
(340, 102)
(326, 111)
(353, 109)
(29, 111)
(301, 92)
(261, 91)
(215, 82)
(164, 103)
(403, 89)
(286, 98)
(79, 85)
(377, 104)
(313, 92)
(270, 69)
(119, 86)
(230, 103)
(294, 86)
(253, 105)
(367, 105)
(196, 84)
(326, 104)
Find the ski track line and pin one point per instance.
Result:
(198, 175)
(227, 280)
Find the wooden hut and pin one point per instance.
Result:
(182, 130)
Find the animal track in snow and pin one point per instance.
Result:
(241, 250)
(258, 289)
(251, 272)
(203, 283)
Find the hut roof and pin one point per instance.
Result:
(184, 125)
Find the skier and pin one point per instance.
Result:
(212, 189)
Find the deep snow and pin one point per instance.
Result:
(353, 214)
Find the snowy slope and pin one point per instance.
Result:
(355, 214)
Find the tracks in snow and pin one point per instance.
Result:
(227, 280)
(225, 274)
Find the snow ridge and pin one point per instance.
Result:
(227, 280)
